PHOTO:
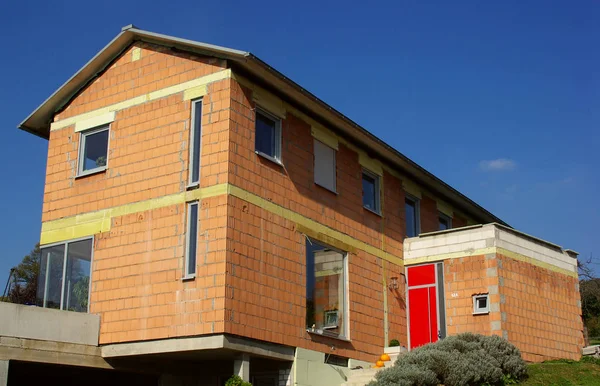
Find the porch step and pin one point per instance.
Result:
(361, 377)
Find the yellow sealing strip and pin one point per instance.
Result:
(192, 84)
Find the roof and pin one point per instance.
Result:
(38, 122)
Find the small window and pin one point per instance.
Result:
(326, 311)
(195, 142)
(336, 360)
(268, 135)
(324, 166)
(370, 185)
(445, 222)
(481, 304)
(411, 211)
(93, 150)
(191, 239)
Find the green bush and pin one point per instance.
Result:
(462, 360)
(236, 380)
(394, 343)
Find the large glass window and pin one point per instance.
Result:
(93, 150)
(411, 211)
(64, 280)
(325, 289)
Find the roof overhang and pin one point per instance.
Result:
(38, 122)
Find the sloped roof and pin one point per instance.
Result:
(38, 122)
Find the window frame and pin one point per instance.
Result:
(334, 190)
(64, 269)
(81, 156)
(277, 133)
(417, 205)
(346, 316)
(377, 190)
(480, 310)
(192, 148)
(186, 265)
(448, 219)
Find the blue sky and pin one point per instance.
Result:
(499, 99)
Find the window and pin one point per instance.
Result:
(445, 222)
(191, 239)
(268, 135)
(481, 304)
(195, 142)
(411, 211)
(370, 185)
(325, 166)
(93, 150)
(325, 289)
(64, 279)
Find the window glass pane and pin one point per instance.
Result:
(192, 238)
(410, 209)
(50, 278)
(325, 289)
(443, 224)
(77, 280)
(265, 135)
(195, 142)
(95, 150)
(368, 184)
(324, 165)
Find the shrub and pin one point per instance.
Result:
(236, 380)
(462, 360)
(394, 343)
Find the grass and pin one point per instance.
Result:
(564, 373)
(594, 341)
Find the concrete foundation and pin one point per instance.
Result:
(3, 373)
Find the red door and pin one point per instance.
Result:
(422, 305)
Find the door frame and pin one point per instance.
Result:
(439, 279)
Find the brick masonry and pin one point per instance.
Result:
(251, 278)
(536, 309)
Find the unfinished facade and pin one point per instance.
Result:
(204, 210)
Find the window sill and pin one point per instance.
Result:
(193, 186)
(91, 172)
(317, 332)
(268, 157)
(374, 212)
(326, 188)
(481, 313)
(188, 278)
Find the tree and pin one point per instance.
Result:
(24, 278)
(589, 287)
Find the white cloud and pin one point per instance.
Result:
(500, 164)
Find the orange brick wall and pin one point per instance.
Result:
(251, 263)
(138, 265)
(148, 154)
(136, 281)
(464, 277)
(543, 317)
(275, 250)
